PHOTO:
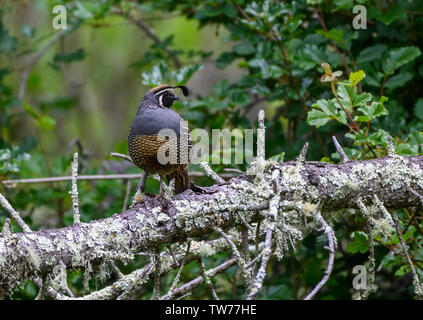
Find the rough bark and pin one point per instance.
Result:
(156, 221)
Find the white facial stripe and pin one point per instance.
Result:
(161, 101)
(162, 91)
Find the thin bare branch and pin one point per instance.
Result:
(6, 231)
(150, 33)
(207, 280)
(332, 243)
(156, 289)
(197, 281)
(178, 275)
(127, 192)
(15, 215)
(209, 172)
(122, 156)
(261, 155)
(244, 222)
(65, 284)
(341, 152)
(32, 59)
(391, 148)
(418, 195)
(74, 191)
(261, 273)
(372, 264)
(418, 289)
(125, 176)
(240, 260)
(303, 153)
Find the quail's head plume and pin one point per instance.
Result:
(154, 114)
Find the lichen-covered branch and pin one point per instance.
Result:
(158, 221)
(123, 288)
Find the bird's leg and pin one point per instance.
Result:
(139, 195)
(141, 184)
(162, 190)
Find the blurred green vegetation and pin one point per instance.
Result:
(236, 57)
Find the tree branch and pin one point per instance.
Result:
(157, 221)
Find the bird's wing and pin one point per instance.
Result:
(151, 121)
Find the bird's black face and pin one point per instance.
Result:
(165, 98)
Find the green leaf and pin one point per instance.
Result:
(160, 74)
(399, 57)
(276, 72)
(326, 159)
(239, 96)
(280, 292)
(30, 110)
(47, 122)
(229, 10)
(225, 59)
(221, 88)
(373, 79)
(345, 92)
(317, 118)
(356, 77)
(418, 109)
(405, 149)
(392, 15)
(211, 11)
(379, 137)
(262, 64)
(343, 4)
(403, 270)
(361, 99)
(376, 109)
(244, 48)
(371, 53)
(398, 80)
(157, 76)
(278, 157)
(82, 12)
(334, 34)
(327, 106)
(70, 57)
(359, 244)
(309, 56)
(183, 75)
(8, 43)
(5, 155)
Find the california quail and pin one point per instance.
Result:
(154, 114)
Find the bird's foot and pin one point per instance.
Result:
(138, 198)
(199, 189)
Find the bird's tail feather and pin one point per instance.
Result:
(182, 182)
